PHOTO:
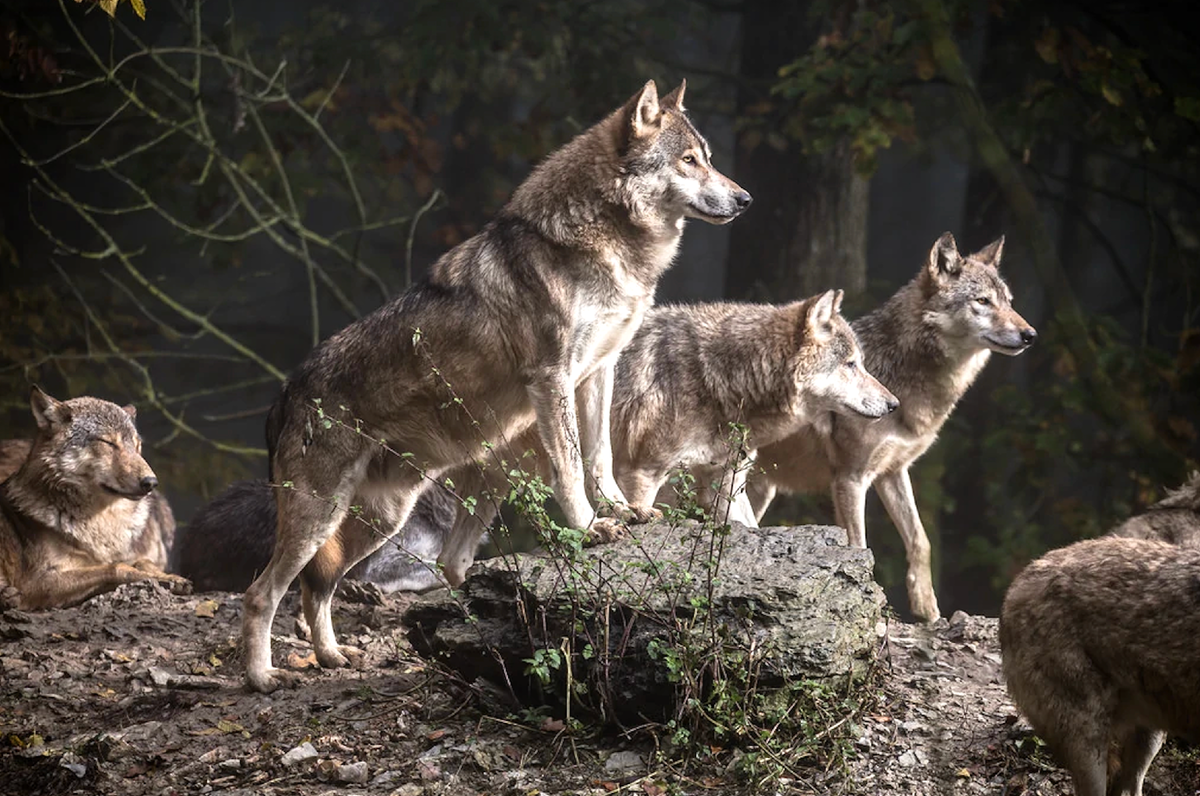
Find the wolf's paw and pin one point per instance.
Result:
(605, 530)
(360, 591)
(176, 583)
(924, 604)
(267, 680)
(642, 514)
(340, 657)
(629, 512)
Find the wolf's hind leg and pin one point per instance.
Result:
(1138, 748)
(309, 513)
(367, 527)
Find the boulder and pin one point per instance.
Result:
(620, 625)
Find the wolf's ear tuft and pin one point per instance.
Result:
(643, 111)
(130, 410)
(818, 315)
(674, 100)
(991, 253)
(944, 259)
(47, 411)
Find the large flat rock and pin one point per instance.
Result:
(791, 603)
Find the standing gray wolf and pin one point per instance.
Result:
(692, 371)
(1101, 649)
(499, 336)
(927, 343)
(229, 541)
(1174, 519)
(79, 516)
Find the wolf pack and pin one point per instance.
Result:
(536, 345)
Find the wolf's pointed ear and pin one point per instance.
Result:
(838, 295)
(47, 411)
(991, 253)
(674, 100)
(818, 317)
(130, 410)
(944, 259)
(644, 111)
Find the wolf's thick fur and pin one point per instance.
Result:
(1174, 519)
(229, 541)
(692, 371)
(79, 516)
(504, 330)
(1101, 648)
(927, 344)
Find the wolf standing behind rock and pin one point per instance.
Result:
(926, 344)
(1101, 646)
(79, 516)
(692, 371)
(504, 330)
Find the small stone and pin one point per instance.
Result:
(301, 754)
(386, 778)
(73, 763)
(623, 762)
(355, 773)
(232, 764)
(908, 759)
(409, 789)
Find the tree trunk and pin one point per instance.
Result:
(807, 230)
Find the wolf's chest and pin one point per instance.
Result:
(603, 328)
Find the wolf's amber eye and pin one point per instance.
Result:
(852, 364)
(689, 159)
(984, 300)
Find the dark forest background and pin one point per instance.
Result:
(192, 195)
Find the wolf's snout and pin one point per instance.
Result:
(148, 484)
(743, 200)
(1028, 335)
(892, 405)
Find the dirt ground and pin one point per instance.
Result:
(139, 692)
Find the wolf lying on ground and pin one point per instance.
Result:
(79, 515)
(230, 539)
(1101, 649)
(926, 344)
(504, 331)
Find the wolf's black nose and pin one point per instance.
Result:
(892, 405)
(743, 200)
(148, 483)
(1028, 335)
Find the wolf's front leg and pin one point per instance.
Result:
(850, 506)
(594, 399)
(896, 492)
(553, 401)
